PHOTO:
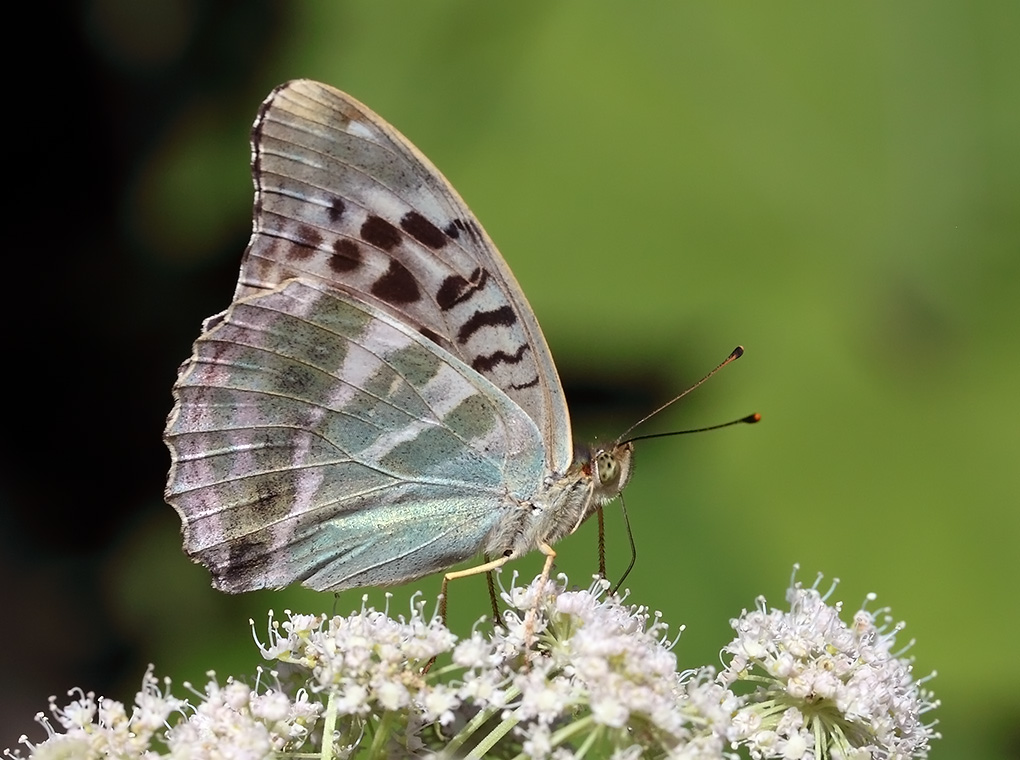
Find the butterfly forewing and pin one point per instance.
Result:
(317, 439)
(343, 199)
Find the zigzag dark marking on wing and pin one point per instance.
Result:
(530, 384)
(488, 361)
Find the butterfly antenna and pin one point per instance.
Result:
(748, 420)
(734, 355)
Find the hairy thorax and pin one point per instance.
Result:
(596, 476)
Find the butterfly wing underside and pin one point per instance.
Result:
(379, 397)
(319, 440)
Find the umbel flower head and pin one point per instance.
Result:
(825, 689)
(571, 674)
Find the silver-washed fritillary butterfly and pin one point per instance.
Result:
(378, 403)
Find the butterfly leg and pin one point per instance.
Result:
(485, 567)
(490, 581)
(532, 614)
(602, 542)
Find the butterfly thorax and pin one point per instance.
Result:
(596, 476)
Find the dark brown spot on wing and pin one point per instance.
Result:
(456, 289)
(346, 256)
(487, 361)
(454, 228)
(336, 210)
(380, 233)
(269, 496)
(306, 241)
(246, 557)
(397, 285)
(502, 317)
(422, 230)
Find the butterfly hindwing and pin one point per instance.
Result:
(342, 198)
(318, 439)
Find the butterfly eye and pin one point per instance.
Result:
(612, 469)
(606, 468)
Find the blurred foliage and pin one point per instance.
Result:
(827, 185)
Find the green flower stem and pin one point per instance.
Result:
(329, 728)
(578, 726)
(477, 722)
(587, 744)
(382, 733)
(494, 736)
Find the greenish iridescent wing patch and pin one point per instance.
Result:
(318, 439)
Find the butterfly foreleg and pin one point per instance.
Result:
(532, 614)
(602, 542)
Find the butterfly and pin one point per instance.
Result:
(378, 402)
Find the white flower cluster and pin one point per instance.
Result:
(253, 723)
(571, 674)
(368, 665)
(601, 675)
(825, 689)
(594, 669)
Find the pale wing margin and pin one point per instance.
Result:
(317, 439)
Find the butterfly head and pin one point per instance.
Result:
(609, 468)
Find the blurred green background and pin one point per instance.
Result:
(834, 187)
